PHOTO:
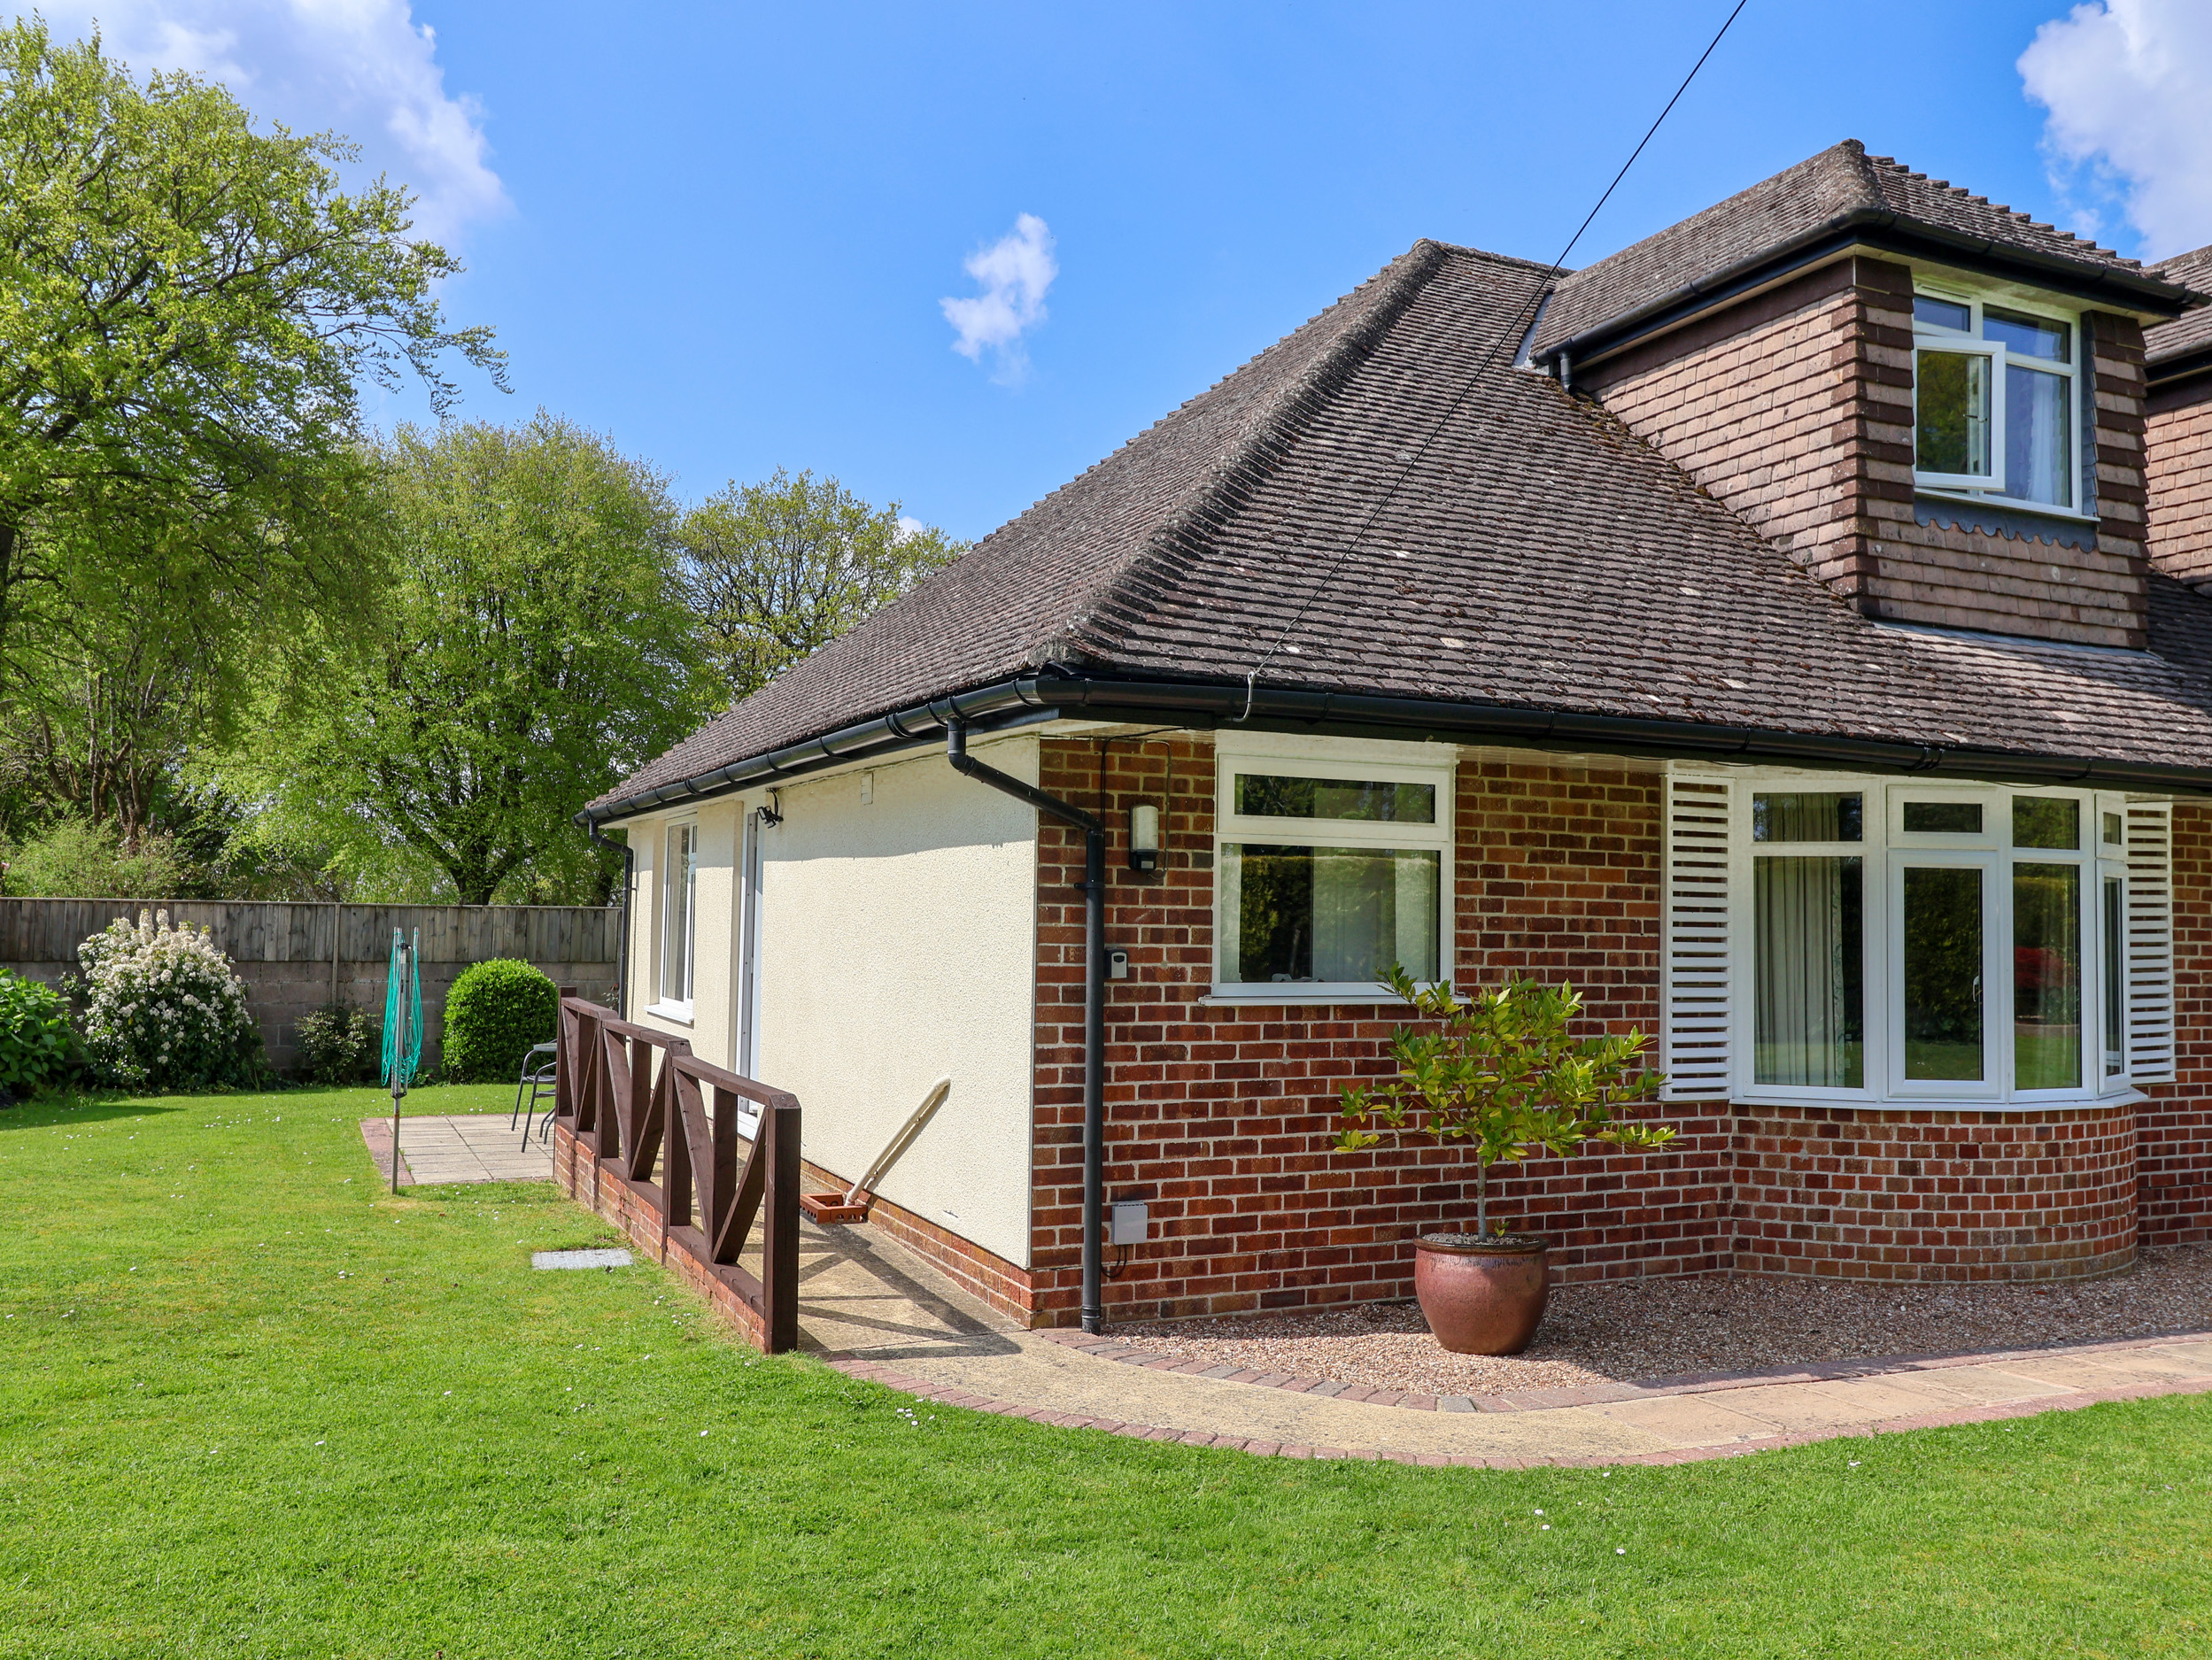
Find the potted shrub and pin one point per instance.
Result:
(1502, 1073)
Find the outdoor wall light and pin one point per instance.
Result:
(1144, 837)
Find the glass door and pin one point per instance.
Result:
(1944, 959)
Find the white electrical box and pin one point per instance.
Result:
(1129, 1222)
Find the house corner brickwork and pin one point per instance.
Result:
(1220, 1117)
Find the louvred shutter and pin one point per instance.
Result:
(2150, 946)
(1695, 977)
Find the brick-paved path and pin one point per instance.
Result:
(875, 1311)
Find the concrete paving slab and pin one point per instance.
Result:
(1796, 1408)
(1986, 1386)
(1688, 1420)
(2088, 1372)
(1893, 1395)
(458, 1147)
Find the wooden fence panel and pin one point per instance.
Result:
(293, 955)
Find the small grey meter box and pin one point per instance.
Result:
(1129, 1222)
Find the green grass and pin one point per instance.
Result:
(252, 1405)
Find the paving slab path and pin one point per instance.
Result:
(457, 1147)
(874, 1310)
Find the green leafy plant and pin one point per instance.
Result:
(1502, 1074)
(495, 1012)
(334, 1044)
(37, 1048)
(164, 1009)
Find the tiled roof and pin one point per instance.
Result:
(2191, 331)
(1531, 553)
(1841, 185)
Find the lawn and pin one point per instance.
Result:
(256, 1406)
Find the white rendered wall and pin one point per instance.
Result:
(897, 946)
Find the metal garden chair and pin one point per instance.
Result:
(538, 1078)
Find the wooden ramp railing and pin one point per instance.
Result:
(632, 1101)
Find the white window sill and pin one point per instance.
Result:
(678, 1013)
(1301, 992)
(1858, 1099)
(1991, 498)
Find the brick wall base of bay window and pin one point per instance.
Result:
(1886, 1194)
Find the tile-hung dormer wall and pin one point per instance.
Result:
(1797, 406)
(2179, 446)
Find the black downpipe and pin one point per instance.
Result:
(621, 946)
(1093, 1004)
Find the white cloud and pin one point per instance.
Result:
(909, 526)
(2128, 84)
(1015, 272)
(363, 68)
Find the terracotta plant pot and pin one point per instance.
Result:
(1481, 1296)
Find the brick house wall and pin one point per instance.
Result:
(1794, 407)
(2178, 444)
(1221, 1117)
(2174, 1173)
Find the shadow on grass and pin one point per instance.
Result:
(44, 1111)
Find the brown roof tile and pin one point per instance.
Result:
(1535, 554)
(1820, 195)
(2191, 332)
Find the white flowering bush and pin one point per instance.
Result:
(163, 1010)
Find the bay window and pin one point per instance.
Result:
(1995, 408)
(1328, 871)
(1874, 939)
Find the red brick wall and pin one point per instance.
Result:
(1854, 1193)
(1221, 1117)
(2179, 444)
(2174, 1179)
(1795, 408)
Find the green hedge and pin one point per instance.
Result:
(495, 1011)
(37, 1049)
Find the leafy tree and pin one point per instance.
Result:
(188, 309)
(778, 570)
(76, 857)
(1502, 1074)
(535, 649)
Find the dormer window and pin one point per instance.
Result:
(1993, 400)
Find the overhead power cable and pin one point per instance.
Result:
(1512, 331)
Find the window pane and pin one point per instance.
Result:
(2116, 968)
(1302, 914)
(2038, 436)
(2043, 820)
(675, 959)
(1954, 413)
(2046, 975)
(1942, 974)
(2028, 337)
(1942, 313)
(1261, 795)
(1810, 1001)
(2112, 829)
(1807, 818)
(1943, 818)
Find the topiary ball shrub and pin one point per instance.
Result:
(164, 1009)
(334, 1044)
(37, 1049)
(494, 1013)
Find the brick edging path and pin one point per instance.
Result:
(1592, 1394)
(1065, 1380)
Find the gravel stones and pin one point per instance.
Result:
(1640, 1330)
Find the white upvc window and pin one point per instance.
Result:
(1328, 870)
(1848, 939)
(1996, 405)
(679, 915)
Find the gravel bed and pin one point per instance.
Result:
(1640, 1330)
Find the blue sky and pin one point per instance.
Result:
(722, 234)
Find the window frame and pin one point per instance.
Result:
(668, 1006)
(1330, 762)
(1991, 489)
(1887, 851)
